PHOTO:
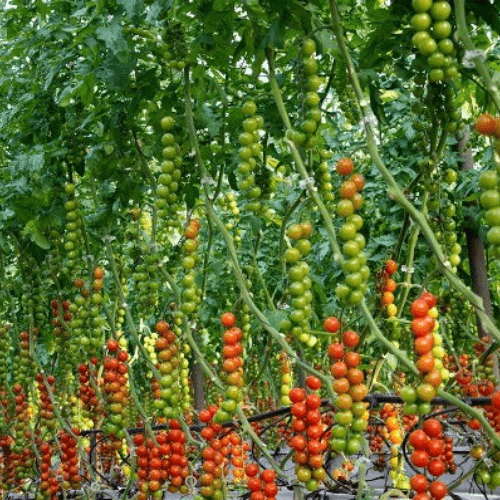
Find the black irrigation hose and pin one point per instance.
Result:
(373, 399)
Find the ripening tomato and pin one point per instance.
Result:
(352, 359)
(228, 320)
(419, 308)
(350, 338)
(391, 267)
(297, 394)
(345, 166)
(314, 383)
(486, 124)
(429, 298)
(336, 351)
(331, 324)
(436, 467)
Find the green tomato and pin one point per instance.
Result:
(421, 21)
(408, 394)
(488, 180)
(421, 5)
(427, 47)
(441, 30)
(490, 199)
(167, 123)
(440, 11)
(249, 108)
(308, 48)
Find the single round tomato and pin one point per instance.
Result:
(438, 489)
(433, 427)
(331, 324)
(419, 458)
(350, 338)
(228, 320)
(419, 483)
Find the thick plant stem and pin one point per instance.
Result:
(237, 271)
(481, 66)
(395, 192)
(397, 195)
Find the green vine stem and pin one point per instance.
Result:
(481, 66)
(412, 243)
(238, 272)
(397, 194)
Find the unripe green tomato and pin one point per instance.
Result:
(436, 60)
(440, 11)
(427, 47)
(441, 30)
(421, 5)
(167, 123)
(292, 255)
(308, 48)
(347, 231)
(421, 21)
(490, 199)
(249, 108)
(309, 66)
(488, 180)
(418, 38)
(446, 46)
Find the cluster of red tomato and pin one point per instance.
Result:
(430, 448)
(49, 484)
(23, 458)
(114, 387)
(153, 464)
(422, 327)
(309, 441)
(46, 406)
(167, 351)
(351, 418)
(232, 366)
(262, 486)
(212, 479)
(70, 469)
(87, 392)
(388, 287)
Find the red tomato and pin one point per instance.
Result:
(438, 489)
(419, 483)
(433, 428)
(419, 458)
(350, 338)
(436, 467)
(331, 324)
(418, 439)
(228, 320)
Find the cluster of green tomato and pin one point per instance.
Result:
(432, 37)
(145, 278)
(168, 181)
(73, 232)
(250, 150)
(298, 324)
(490, 201)
(306, 136)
